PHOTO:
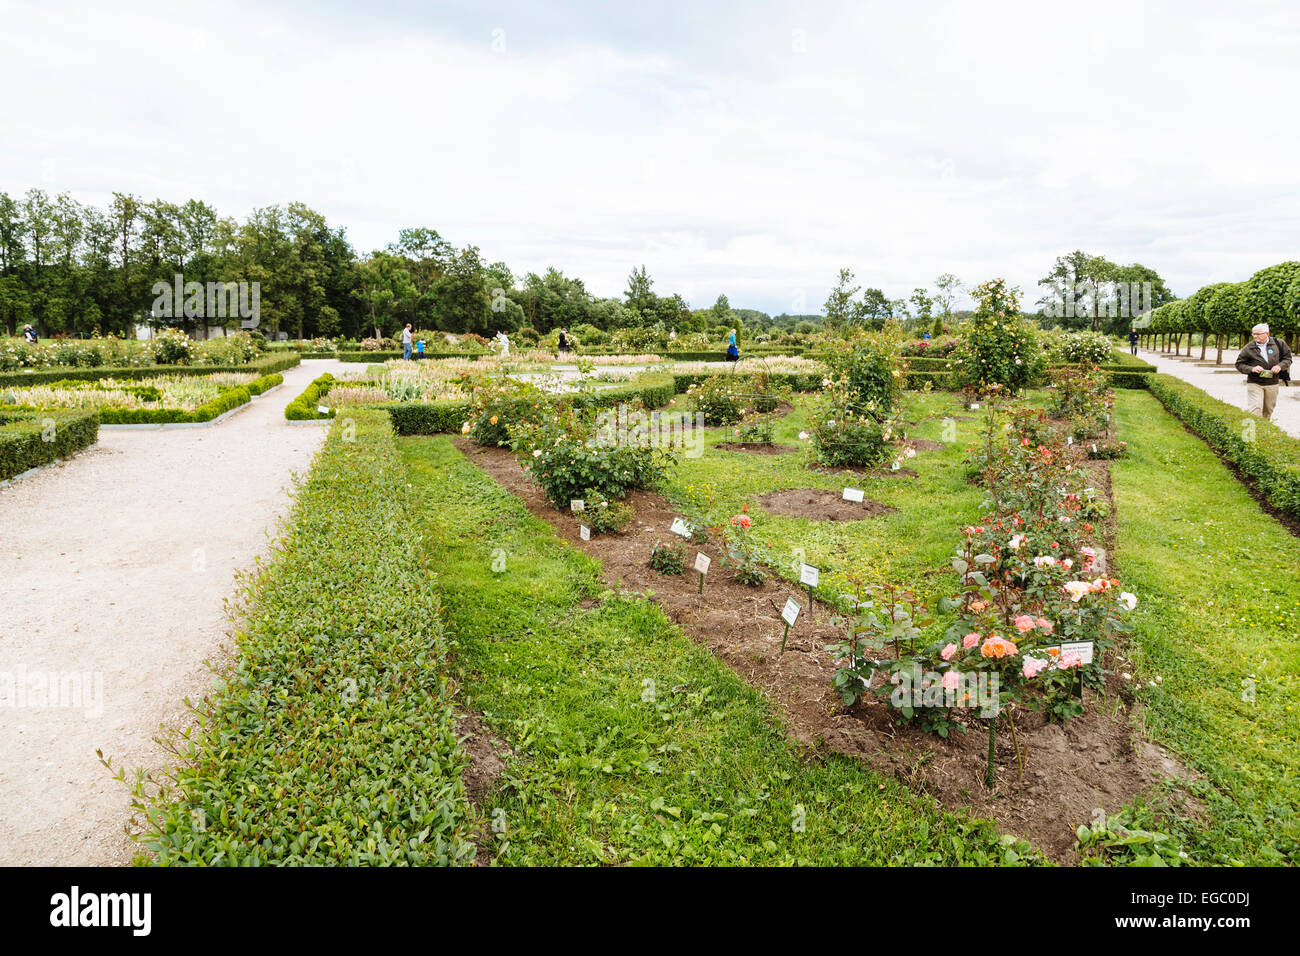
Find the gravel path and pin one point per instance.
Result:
(1227, 384)
(114, 568)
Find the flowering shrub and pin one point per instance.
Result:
(866, 373)
(170, 346)
(741, 552)
(720, 397)
(1088, 348)
(1079, 393)
(238, 349)
(998, 348)
(498, 405)
(558, 443)
(845, 435)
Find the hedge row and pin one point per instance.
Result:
(333, 741)
(265, 383)
(267, 365)
(1266, 456)
(29, 439)
(303, 407)
(797, 381)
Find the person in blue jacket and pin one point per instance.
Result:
(733, 352)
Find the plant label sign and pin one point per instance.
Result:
(680, 527)
(584, 532)
(790, 612)
(322, 410)
(702, 562)
(975, 405)
(853, 494)
(1069, 439)
(1082, 648)
(577, 504)
(809, 575)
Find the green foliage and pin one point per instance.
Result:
(29, 439)
(866, 370)
(499, 406)
(304, 406)
(1118, 841)
(1088, 348)
(1264, 298)
(603, 515)
(843, 438)
(719, 397)
(998, 348)
(332, 740)
(668, 558)
(1265, 456)
(170, 347)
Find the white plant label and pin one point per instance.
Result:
(853, 494)
(1094, 448)
(322, 410)
(702, 562)
(790, 612)
(1069, 439)
(584, 532)
(809, 575)
(975, 405)
(1082, 648)
(680, 527)
(577, 504)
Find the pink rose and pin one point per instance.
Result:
(950, 679)
(948, 651)
(1024, 623)
(970, 640)
(1045, 625)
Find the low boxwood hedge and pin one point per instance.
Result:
(264, 384)
(797, 381)
(333, 739)
(1263, 454)
(267, 365)
(303, 407)
(29, 439)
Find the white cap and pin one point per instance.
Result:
(1262, 327)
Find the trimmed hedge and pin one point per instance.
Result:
(798, 381)
(333, 741)
(432, 418)
(267, 365)
(228, 399)
(303, 408)
(264, 384)
(1270, 461)
(27, 439)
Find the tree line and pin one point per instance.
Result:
(76, 269)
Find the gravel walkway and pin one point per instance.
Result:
(114, 567)
(1227, 384)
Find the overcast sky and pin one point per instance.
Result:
(745, 148)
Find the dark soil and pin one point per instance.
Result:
(756, 447)
(924, 444)
(485, 765)
(821, 505)
(1096, 760)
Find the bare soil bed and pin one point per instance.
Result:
(820, 504)
(1097, 760)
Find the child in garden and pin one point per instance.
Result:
(419, 350)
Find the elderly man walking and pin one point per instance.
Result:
(1262, 361)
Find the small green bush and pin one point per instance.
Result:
(29, 439)
(668, 558)
(604, 516)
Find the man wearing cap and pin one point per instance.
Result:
(1262, 361)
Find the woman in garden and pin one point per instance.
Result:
(564, 341)
(29, 334)
(733, 352)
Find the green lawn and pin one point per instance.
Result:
(912, 546)
(1219, 586)
(631, 743)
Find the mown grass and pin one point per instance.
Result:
(911, 546)
(1218, 620)
(630, 743)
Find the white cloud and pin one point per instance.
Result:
(906, 141)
